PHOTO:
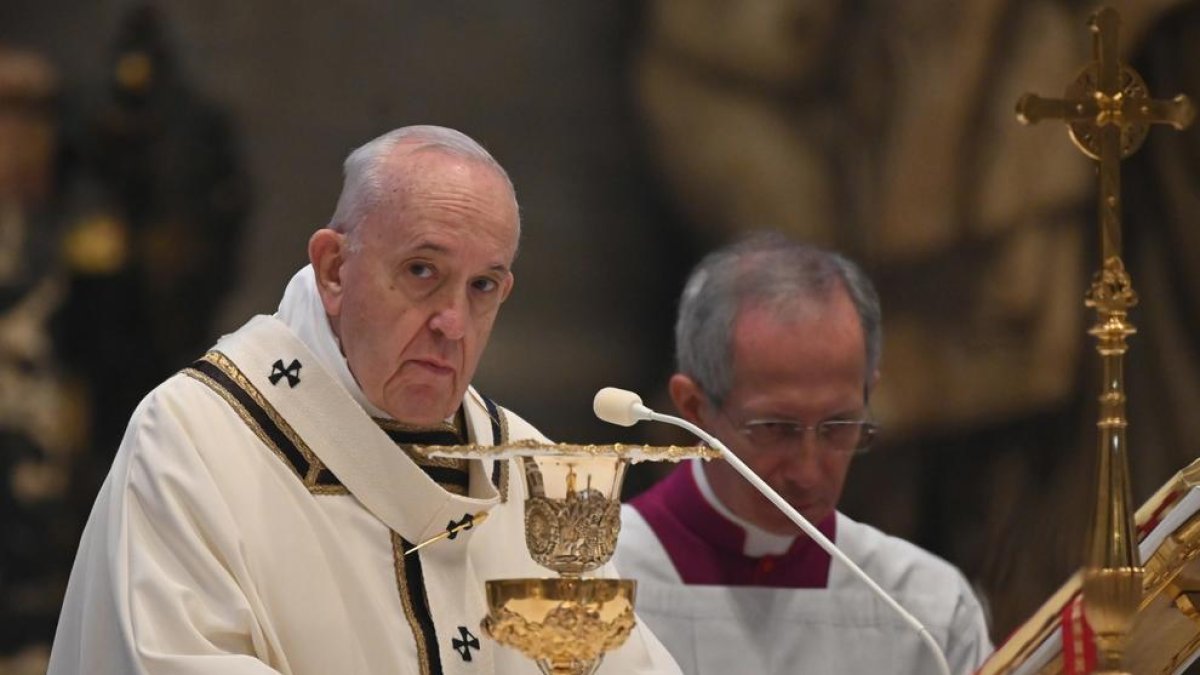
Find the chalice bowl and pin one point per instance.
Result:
(568, 622)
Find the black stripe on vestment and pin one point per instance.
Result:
(260, 416)
(445, 476)
(420, 605)
(326, 477)
(494, 417)
(433, 437)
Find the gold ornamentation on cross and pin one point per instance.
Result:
(1108, 111)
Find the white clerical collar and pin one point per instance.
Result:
(759, 542)
(301, 309)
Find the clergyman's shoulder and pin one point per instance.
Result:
(890, 559)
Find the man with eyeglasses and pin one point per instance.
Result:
(778, 347)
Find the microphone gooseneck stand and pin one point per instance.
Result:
(625, 408)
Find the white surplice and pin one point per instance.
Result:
(840, 628)
(254, 521)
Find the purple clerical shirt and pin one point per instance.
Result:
(708, 548)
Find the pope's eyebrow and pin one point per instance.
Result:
(431, 247)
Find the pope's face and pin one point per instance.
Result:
(806, 370)
(413, 303)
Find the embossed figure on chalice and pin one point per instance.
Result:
(575, 534)
(572, 518)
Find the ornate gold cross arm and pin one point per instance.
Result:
(1099, 110)
(1178, 112)
(1032, 109)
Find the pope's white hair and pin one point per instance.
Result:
(367, 171)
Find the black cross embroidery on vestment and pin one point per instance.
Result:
(292, 372)
(456, 526)
(466, 644)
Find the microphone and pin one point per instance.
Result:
(624, 408)
(620, 407)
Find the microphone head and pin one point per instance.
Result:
(618, 406)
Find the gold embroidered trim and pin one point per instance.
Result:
(337, 489)
(396, 425)
(230, 369)
(406, 603)
(442, 462)
(503, 440)
(314, 470)
(322, 488)
(245, 415)
(504, 470)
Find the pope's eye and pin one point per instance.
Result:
(485, 284)
(420, 270)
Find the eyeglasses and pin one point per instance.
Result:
(837, 436)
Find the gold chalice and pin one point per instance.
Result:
(572, 517)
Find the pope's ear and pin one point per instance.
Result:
(327, 253)
(688, 398)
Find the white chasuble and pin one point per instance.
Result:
(255, 521)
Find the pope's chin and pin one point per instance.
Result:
(422, 398)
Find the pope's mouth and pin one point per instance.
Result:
(433, 367)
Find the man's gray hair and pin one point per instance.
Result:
(769, 270)
(367, 174)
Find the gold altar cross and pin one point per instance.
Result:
(1109, 112)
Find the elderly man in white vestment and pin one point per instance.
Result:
(260, 511)
(778, 347)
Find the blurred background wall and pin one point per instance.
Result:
(196, 145)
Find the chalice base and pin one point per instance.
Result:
(565, 625)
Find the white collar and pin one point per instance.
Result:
(759, 542)
(301, 310)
